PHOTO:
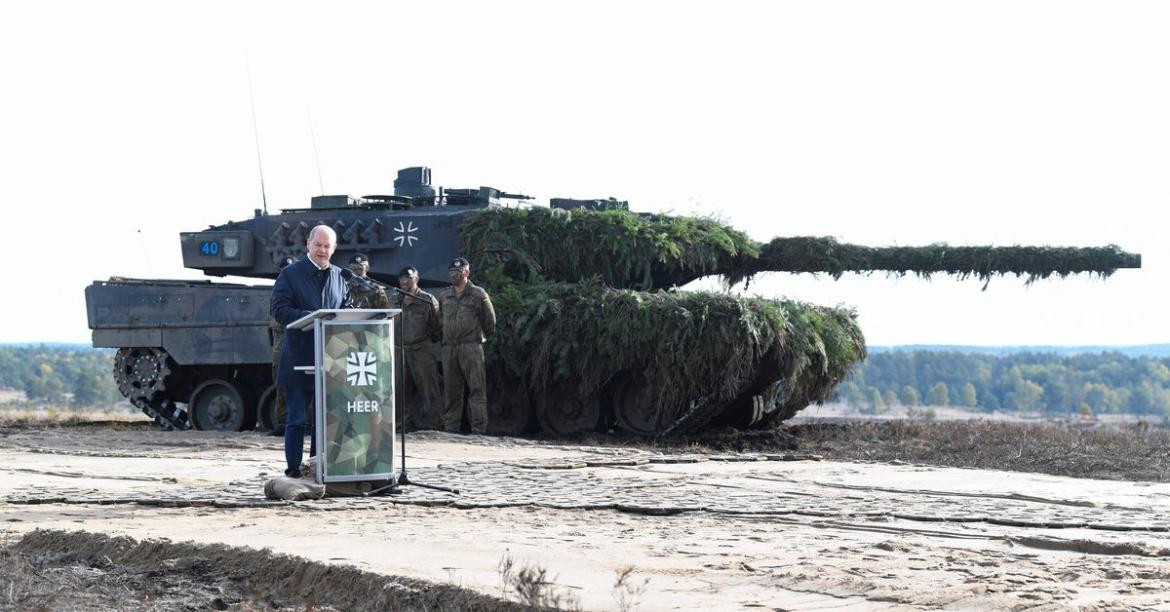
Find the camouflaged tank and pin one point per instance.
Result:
(594, 332)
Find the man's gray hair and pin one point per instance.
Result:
(322, 228)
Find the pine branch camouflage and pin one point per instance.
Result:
(561, 282)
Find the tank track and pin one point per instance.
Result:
(167, 415)
(141, 375)
(700, 413)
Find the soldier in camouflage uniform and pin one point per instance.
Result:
(468, 320)
(420, 328)
(279, 409)
(364, 297)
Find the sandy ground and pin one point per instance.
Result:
(699, 531)
(837, 410)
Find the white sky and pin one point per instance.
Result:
(122, 124)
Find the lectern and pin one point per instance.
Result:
(354, 393)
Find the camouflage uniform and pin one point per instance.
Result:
(364, 298)
(279, 409)
(468, 319)
(420, 325)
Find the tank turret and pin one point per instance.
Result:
(593, 331)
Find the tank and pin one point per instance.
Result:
(594, 333)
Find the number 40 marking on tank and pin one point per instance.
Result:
(406, 231)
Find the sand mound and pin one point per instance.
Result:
(226, 576)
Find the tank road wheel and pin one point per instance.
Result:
(568, 414)
(272, 417)
(218, 405)
(636, 407)
(509, 413)
(140, 372)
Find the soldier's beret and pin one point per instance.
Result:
(408, 271)
(284, 263)
(358, 259)
(458, 264)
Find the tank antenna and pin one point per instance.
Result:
(316, 157)
(256, 133)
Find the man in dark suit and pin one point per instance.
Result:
(304, 286)
(277, 417)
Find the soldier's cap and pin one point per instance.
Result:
(409, 271)
(284, 263)
(459, 263)
(358, 259)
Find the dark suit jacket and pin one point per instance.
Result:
(299, 290)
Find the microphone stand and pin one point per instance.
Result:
(399, 391)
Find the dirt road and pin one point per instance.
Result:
(699, 531)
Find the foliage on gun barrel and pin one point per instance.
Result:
(824, 254)
(630, 250)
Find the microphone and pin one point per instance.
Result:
(348, 275)
(373, 285)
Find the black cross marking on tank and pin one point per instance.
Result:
(406, 231)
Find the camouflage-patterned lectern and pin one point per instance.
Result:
(354, 393)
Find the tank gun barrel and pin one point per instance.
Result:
(513, 196)
(826, 255)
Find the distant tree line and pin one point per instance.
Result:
(81, 376)
(1084, 384)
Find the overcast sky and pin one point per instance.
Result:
(122, 124)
